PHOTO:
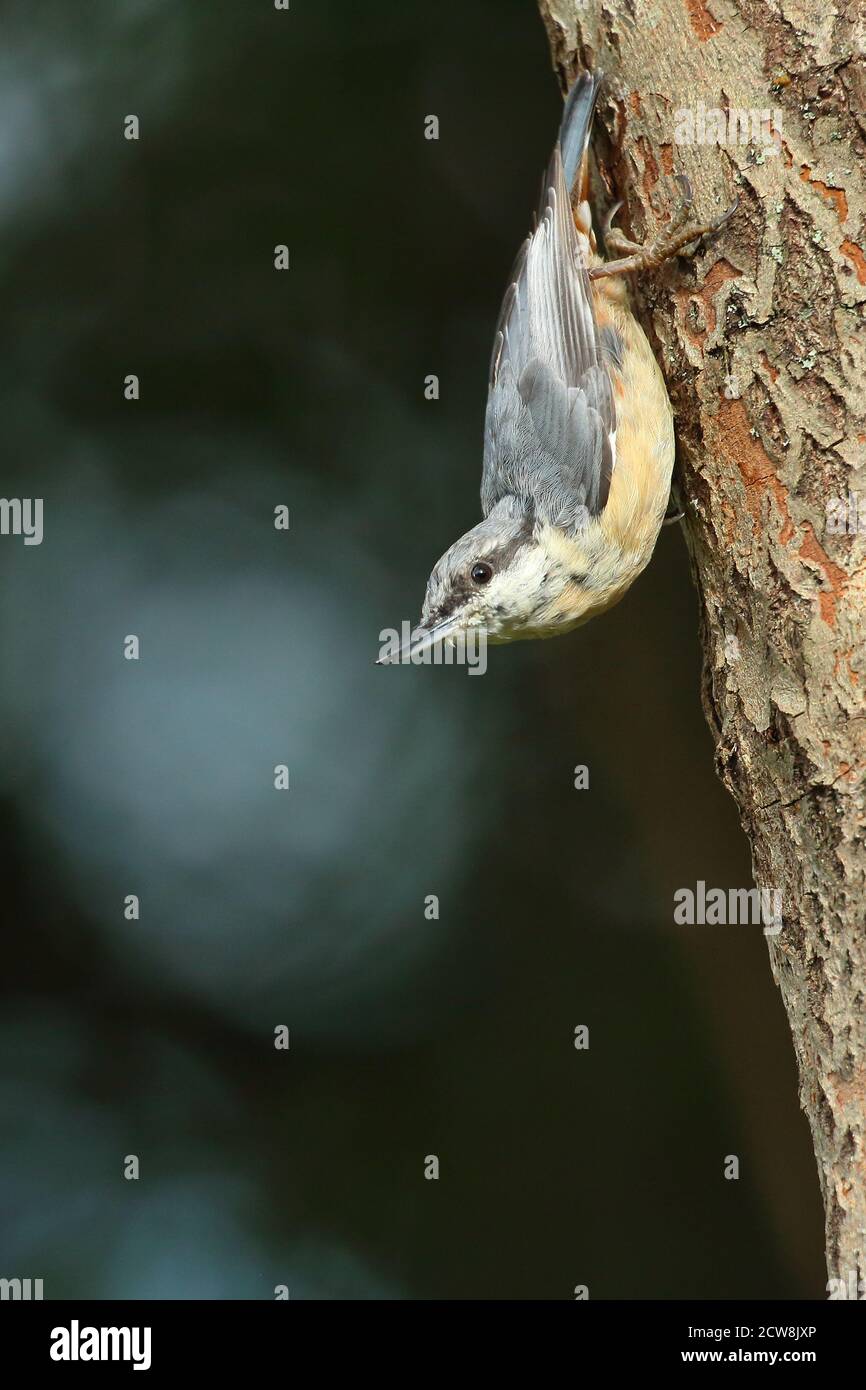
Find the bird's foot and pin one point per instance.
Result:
(681, 236)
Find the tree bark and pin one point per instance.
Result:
(763, 345)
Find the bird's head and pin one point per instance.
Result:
(508, 577)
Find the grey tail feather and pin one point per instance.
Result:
(576, 123)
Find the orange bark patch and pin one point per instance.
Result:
(701, 20)
(836, 196)
(837, 664)
(634, 103)
(735, 439)
(851, 1091)
(854, 254)
(835, 576)
(667, 155)
(772, 372)
(721, 271)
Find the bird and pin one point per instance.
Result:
(579, 429)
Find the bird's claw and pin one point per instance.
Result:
(682, 237)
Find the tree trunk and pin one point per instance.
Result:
(762, 342)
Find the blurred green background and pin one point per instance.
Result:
(409, 1037)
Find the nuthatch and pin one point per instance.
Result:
(579, 437)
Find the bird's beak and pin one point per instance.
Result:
(421, 640)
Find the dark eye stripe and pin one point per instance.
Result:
(458, 596)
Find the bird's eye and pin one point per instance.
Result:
(481, 573)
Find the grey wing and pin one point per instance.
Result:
(551, 422)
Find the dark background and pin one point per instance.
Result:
(408, 1037)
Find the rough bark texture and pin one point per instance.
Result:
(762, 342)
